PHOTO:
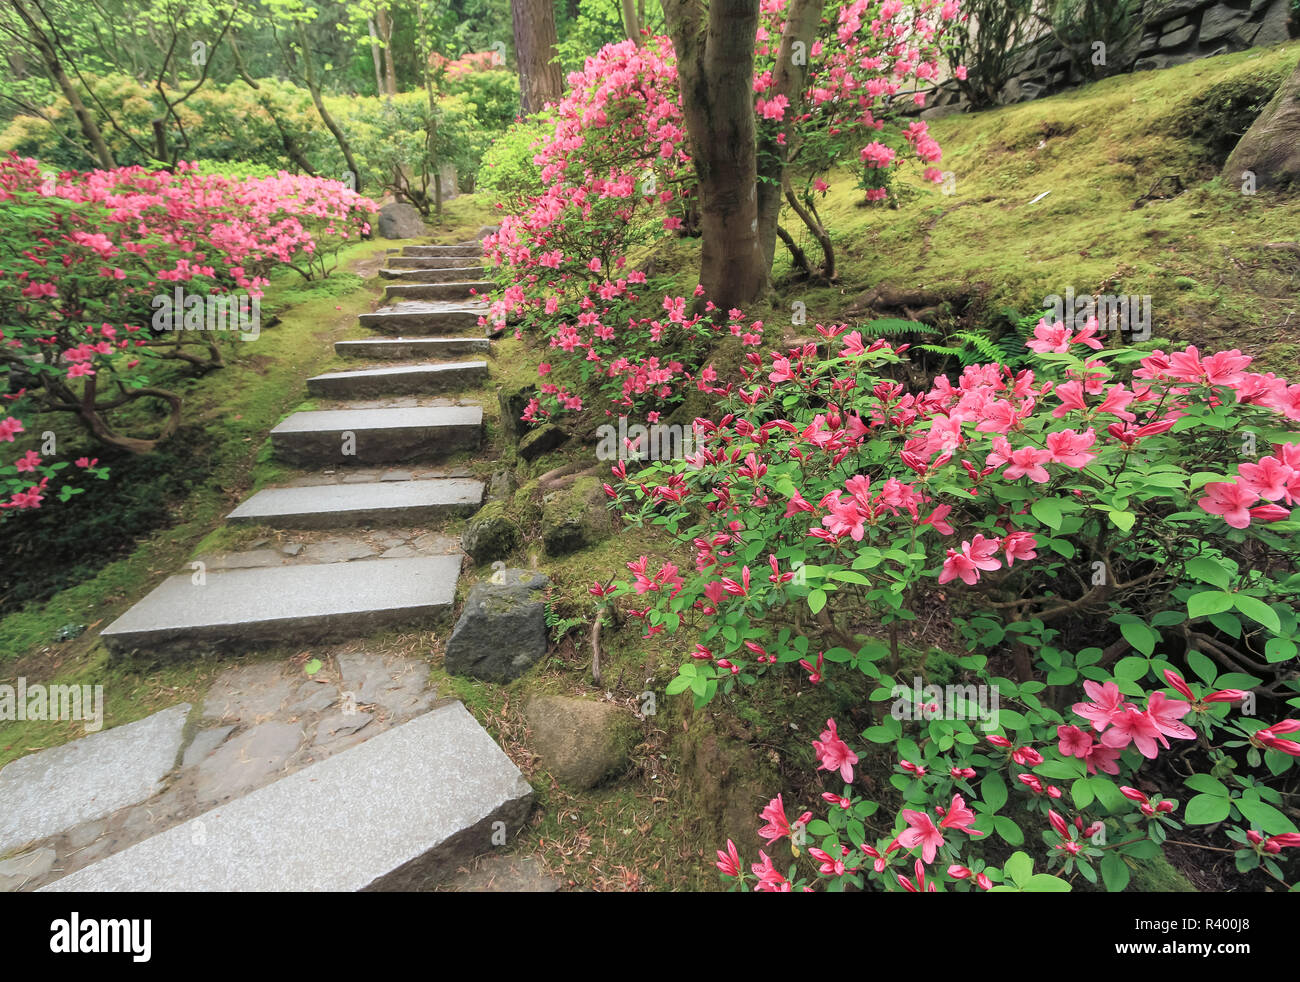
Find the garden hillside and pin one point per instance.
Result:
(748, 480)
(1132, 204)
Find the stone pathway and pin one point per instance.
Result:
(355, 778)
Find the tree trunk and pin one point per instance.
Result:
(540, 79)
(49, 55)
(309, 71)
(789, 77)
(631, 22)
(715, 67)
(376, 57)
(386, 32)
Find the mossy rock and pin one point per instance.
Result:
(575, 518)
(581, 742)
(540, 441)
(513, 402)
(491, 534)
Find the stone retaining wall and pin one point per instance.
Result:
(1173, 32)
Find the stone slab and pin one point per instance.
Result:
(468, 249)
(467, 290)
(427, 347)
(52, 790)
(396, 812)
(382, 436)
(287, 603)
(426, 317)
(445, 274)
(361, 503)
(401, 380)
(431, 262)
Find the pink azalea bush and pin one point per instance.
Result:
(617, 178)
(1106, 494)
(84, 254)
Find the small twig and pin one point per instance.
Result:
(595, 645)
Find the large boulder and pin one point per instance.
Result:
(513, 402)
(401, 221)
(575, 518)
(581, 742)
(502, 630)
(1271, 147)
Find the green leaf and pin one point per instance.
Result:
(1008, 830)
(1018, 868)
(312, 667)
(1140, 637)
(994, 791)
(1208, 571)
(1046, 883)
(1132, 668)
(1114, 872)
(1257, 610)
(1081, 792)
(1206, 809)
(1204, 668)
(1264, 816)
(1047, 511)
(1207, 784)
(817, 600)
(1123, 521)
(1209, 602)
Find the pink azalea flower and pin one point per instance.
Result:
(921, 831)
(834, 754)
(1230, 500)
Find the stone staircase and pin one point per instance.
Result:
(399, 807)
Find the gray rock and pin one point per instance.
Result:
(401, 810)
(396, 476)
(398, 687)
(314, 697)
(16, 872)
(338, 550)
(401, 221)
(204, 742)
(247, 761)
(1220, 21)
(581, 742)
(290, 550)
(505, 874)
(248, 694)
(1173, 39)
(52, 790)
(502, 630)
(83, 835)
(399, 380)
(340, 725)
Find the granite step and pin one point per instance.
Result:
(400, 811)
(341, 505)
(426, 318)
(463, 249)
(285, 603)
(449, 275)
(438, 291)
(411, 347)
(366, 383)
(431, 262)
(376, 436)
